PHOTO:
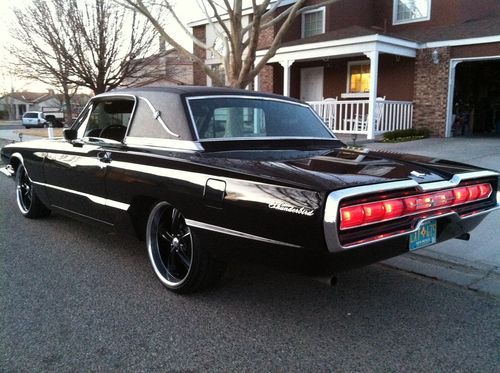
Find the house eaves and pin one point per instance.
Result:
(345, 47)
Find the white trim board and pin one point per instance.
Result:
(460, 42)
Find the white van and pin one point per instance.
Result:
(34, 119)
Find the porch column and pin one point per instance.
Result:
(287, 64)
(373, 56)
(256, 83)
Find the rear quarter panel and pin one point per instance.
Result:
(265, 210)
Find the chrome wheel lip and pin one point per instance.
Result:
(153, 247)
(20, 191)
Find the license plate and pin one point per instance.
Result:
(425, 236)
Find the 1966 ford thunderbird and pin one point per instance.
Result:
(204, 175)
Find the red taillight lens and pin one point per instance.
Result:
(393, 208)
(484, 190)
(461, 195)
(352, 216)
(473, 192)
(374, 212)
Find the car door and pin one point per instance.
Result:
(75, 171)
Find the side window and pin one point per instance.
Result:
(406, 11)
(313, 22)
(106, 119)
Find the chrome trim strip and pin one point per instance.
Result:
(93, 198)
(218, 229)
(157, 116)
(82, 215)
(164, 143)
(456, 179)
(333, 200)
(221, 139)
(250, 97)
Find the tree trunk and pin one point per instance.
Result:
(68, 112)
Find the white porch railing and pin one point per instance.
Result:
(351, 116)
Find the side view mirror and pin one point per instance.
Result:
(69, 134)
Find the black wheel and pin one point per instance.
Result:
(28, 202)
(175, 254)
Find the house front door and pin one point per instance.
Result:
(311, 83)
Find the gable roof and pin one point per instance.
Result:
(488, 26)
(31, 97)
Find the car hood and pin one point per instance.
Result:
(327, 170)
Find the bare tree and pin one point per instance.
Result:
(109, 44)
(240, 40)
(93, 43)
(42, 48)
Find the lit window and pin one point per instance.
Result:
(359, 77)
(313, 22)
(406, 11)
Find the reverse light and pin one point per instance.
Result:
(379, 211)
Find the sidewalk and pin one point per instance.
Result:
(13, 135)
(476, 263)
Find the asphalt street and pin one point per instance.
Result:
(73, 297)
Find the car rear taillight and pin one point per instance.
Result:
(375, 212)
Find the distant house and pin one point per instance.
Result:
(166, 68)
(15, 104)
(388, 64)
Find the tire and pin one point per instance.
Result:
(28, 202)
(177, 258)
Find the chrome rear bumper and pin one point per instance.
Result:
(330, 221)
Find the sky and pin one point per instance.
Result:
(187, 10)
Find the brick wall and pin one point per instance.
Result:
(266, 75)
(431, 90)
(199, 77)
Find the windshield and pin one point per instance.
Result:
(234, 117)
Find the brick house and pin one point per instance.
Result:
(380, 65)
(167, 67)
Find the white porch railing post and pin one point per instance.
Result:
(373, 56)
(287, 64)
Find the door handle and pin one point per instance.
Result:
(104, 157)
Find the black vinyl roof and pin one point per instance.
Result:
(199, 91)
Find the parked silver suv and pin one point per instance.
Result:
(34, 119)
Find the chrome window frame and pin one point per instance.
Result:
(104, 97)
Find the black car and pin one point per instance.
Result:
(206, 175)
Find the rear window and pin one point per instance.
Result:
(236, 117)
(30, 115)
